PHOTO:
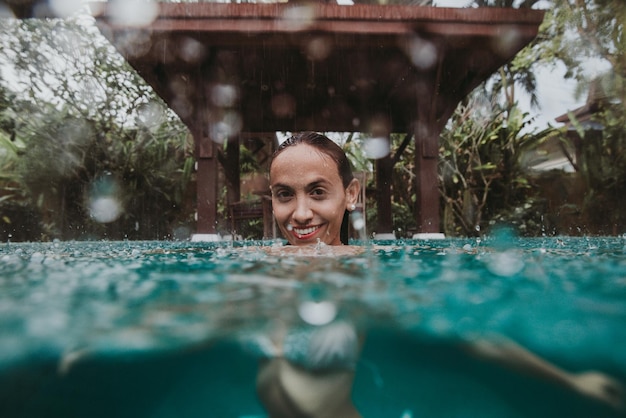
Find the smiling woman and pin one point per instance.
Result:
(313, 190)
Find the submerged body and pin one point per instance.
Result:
(312, 190)
(312, 376)
(160, 324)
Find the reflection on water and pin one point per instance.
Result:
(86, 308)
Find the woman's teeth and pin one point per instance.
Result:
(304, 231)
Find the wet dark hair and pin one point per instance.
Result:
(325, 145)
(332, 150)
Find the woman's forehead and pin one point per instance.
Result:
(303, 160)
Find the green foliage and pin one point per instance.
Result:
(577, 33)
(403, 186)
(477, 191)
(77, 115)
(603, 169)
(483, 169)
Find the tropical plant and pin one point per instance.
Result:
(102, 155)
(10, 147)
(585, 36)
(483, 169)
(602, 167)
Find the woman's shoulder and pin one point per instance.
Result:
(314, 250)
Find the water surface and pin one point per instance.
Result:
(170, 328)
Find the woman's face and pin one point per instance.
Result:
(308, 196)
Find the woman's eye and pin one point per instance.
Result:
(318, 193)
(283, 195)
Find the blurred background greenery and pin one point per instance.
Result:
(81, 134)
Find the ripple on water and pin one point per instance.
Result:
(148, 295)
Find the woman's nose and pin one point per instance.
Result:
(302, 213)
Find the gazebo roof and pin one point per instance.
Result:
(232, 68)
(286, 67)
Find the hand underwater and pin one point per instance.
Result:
(599, 386)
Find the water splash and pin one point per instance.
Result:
(225, 128)
(298, 17)
(133, 12)
(135, 43)
(104, 204)
(318, 48)
(317, 313)
(224, 95)
(65, 8)
(422, 53)
(376, 148)
(191, 50)
(358, 223)
(151, 115)
(507, 40)
(179, 293)
(505, 264)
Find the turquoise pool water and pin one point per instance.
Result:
(168, 329)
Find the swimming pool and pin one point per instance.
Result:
(161, 329)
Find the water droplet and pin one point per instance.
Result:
(36, 257)
(182, 106)
(318, 48)
(228, 127)
(506, 264)
(358, 222)
(422, 53)
(508, 39)
(65, 8)
(151, 114)
(283, 105)
(224, 95)
(105, 209)
(191, 50)
(133, 12)
(298, 17)
(376, 148)
(317, 313)
(133, 43)
(104, 204)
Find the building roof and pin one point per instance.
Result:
(319, 66)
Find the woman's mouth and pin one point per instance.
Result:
(305, 233)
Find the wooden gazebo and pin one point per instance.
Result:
(246, 69)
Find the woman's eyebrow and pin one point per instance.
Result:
(309, 186)
(316, 183)
(280, 186)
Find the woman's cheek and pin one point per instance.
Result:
(280, 212)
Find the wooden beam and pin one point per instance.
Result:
(327, 68)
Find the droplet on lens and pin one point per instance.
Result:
(317, 313)
(376, 148)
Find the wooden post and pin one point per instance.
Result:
(426, 158)
(384, 174)
(206, 183)
(427, 130)
(232, 171)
